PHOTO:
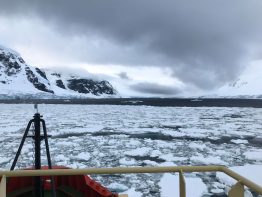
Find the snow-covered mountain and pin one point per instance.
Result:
(18, 79)
(248, 84)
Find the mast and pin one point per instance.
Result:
(37, 137)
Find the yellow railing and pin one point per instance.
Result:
(236, 191)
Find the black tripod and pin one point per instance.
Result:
(37, 137)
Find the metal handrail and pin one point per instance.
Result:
(242, 181)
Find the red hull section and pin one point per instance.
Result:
(79, 185)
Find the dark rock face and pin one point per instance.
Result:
(10, 64)
(34, 80)
(60, 84)
(21, 60)
(89, 86)
(106, 87)
(41, 73)
(56, 74)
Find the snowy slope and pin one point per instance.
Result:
(18, 79)
(248, 85)
(63, 83)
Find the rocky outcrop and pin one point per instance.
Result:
(10, 65)
(89, 86)
(60, 84)
(41, 73)
(35, 81)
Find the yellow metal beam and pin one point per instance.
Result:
(3, 186)
(182, 184)
(253, 186)
(237, 190)
(126, 170)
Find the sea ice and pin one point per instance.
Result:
(254, 154)
(239, 141)
(127, 162)
(201, 160)
(84, 156)
(4, 160)
(110, 136)
(139, 151)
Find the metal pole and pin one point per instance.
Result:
(38, 188)
(21, 145)
(47, 145)
(48, 157)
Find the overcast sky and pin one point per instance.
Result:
(160, 47)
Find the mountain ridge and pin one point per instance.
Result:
(18, 79)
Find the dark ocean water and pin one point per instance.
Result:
(165, 102)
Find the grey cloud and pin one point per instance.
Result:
(155, 89)
(123, 75)
(205, 43)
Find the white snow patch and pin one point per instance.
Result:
(197, 146)
(166, 164)
(179, 158)
(170, 186)
(239, 141)
(220, 152)
(83, 156)
(155, 153)
(151, 163)
(117, 187)
(254, 154)
(134, 143)
(251, 172)
(127, 161)
(76, 165)
(139, 151)
(217, 191)
(61, 158)
(4, 160)
(167, 157)
(200, 159)
(173, 133)
(64, 143)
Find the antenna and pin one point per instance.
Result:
(36, 107)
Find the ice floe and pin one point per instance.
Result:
(254, 154)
